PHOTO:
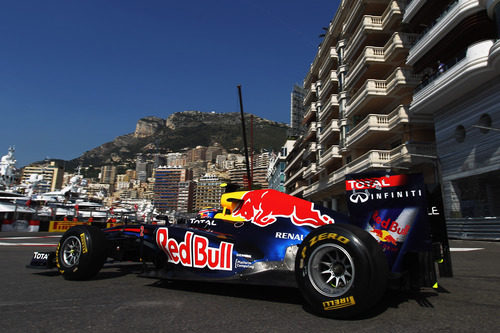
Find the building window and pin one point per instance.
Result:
(484, 123)
(460, 133)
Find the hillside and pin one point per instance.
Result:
(181, 130)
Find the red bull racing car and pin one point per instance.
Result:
(341, 264)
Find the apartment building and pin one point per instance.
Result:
(186, 194)
(108, 174)
(122, 182)
(176, 160)
(197, 154)
(276, 170)
(259, 171)
(296, 111)
(458, 56)
(208, 192)
(213, 151)
(358, 93)
(143, 168)
(166, 187)
(49, 175)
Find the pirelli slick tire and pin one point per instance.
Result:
(341, 271)
(81, 252)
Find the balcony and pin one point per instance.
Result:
(369, 24)
(310, 170)
(460, 10)
(310, 77)
(355, 12)
(375, 94)
(333, 152)
(331, 81)
(374, 126)
(310, 113)
(298, 190)
(310, 151)
(370, 55)
(410, 154)
(311, 94)
(376, 159)
(328, 130)
(311, 131)
(373, 24)
(479, 66)
(295, 162)
(381, 58)
(295, 177)
(329, 62)
(330, 109)
(366, 94)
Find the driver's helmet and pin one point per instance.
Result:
(207, 213)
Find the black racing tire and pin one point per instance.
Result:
(341, 271)
(81, 252)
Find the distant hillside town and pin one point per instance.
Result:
(185, 181)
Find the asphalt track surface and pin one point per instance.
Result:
(117, 300)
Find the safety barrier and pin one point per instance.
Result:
(50, 226)
(474, 228)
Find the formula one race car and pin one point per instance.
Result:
(341, 264)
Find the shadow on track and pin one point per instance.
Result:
(393, 298)
(255, 292)
(109, 271)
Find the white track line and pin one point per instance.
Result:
(465, 249)
(32, 237)
(26, 244)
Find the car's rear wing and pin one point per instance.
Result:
(406, 218)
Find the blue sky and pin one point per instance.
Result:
(76, 74)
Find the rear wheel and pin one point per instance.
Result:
(341, 271)
(81, 252)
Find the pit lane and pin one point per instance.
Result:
(117, 300)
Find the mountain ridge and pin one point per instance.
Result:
(184, 130)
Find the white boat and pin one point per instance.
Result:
(36, 210)
(15, 215)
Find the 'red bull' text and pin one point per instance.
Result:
(195, 251)
(390, 225)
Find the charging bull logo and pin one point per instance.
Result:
(392, 226)
(384, 236)
(262, 207)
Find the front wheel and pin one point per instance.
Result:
(341, 271)
(81, 252)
